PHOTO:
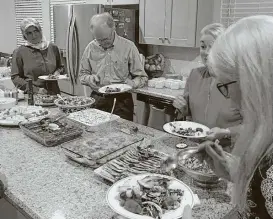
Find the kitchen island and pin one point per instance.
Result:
(44, 184)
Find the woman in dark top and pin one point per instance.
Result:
(36, 58)
(243, 57)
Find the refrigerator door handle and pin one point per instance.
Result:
(77, 58)
(71, 52)
(68, 51)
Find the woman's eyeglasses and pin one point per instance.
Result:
(223, 88)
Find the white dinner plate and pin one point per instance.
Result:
(168, 127)
(60, 77)
(113, 197)
(123, 88)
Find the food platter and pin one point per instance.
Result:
(92, 117)
(6, 103)
(53, 77)
(19, 114)
(50, 132)
(115, 89)
(100, 147)
(45, 100)
(199, 171)
(72, 104)
(186, 129)
(134, 161)
(114, 197)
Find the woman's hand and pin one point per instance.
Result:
(94, 82)
(57, 73)
(216, 159)
(217, 133)
(180, 102)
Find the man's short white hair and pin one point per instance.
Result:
(101, 19)
(214, 30)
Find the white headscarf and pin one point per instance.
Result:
(26, 23)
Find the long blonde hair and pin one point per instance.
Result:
(244, 53)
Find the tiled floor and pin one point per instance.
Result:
(7, 211)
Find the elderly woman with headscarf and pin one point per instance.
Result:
(36, 58)
(202, 101)
(242, 57)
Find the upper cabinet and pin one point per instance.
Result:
(172, 22)
(113, 2)
(152, 21)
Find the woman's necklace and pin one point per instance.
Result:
(208, 100)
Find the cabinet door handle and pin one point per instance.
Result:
(167, 40)
(162, 39)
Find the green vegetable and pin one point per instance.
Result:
(132, 206)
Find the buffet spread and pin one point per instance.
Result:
(141, 186)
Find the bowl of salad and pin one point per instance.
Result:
(74, 103)
(195, 166)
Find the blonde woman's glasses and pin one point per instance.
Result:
(223, 88)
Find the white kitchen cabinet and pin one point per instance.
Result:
(172, 22)
(180, 23)
(113, 2)
(152, 21)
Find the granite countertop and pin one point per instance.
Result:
(44, 184)
(164, 93)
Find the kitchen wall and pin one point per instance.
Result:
(7, 25)
(181, 59)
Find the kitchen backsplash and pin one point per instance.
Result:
(178, 60)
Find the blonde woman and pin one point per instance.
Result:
(242, 57)
(202, 101)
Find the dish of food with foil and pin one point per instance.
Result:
(150, 196)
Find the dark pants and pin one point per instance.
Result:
(52, 87)
(124, 104)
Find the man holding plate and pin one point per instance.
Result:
(111, 59)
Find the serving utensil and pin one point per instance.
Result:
(59, 96)
(169, 164)
(110, 117)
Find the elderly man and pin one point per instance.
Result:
(111, 59)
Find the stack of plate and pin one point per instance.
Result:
(160, 83)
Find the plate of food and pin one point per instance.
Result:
(115, 89)
(53, 77)
(186, 129)
(21, 114)
(45, 100)
(149, 196)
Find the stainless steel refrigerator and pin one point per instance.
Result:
(72, 35)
